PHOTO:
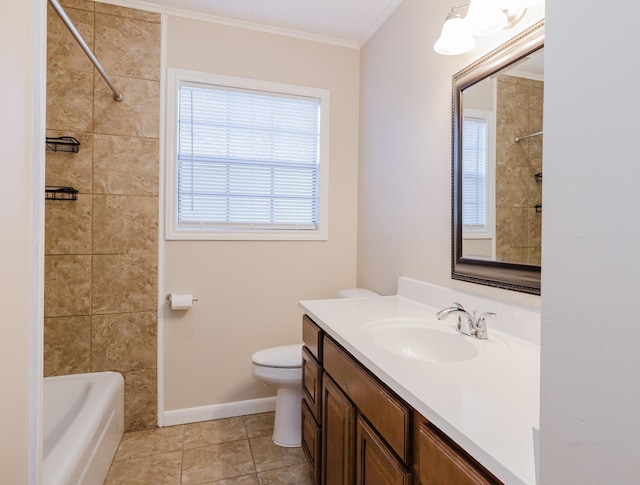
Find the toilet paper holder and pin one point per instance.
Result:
(168, 298)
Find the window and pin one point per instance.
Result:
(475, 169)
(249, 159)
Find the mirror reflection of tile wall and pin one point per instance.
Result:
(101, 251)
(518, 224)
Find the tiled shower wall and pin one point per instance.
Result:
(518, 225)
(101, 251)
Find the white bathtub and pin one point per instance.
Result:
(83, 420)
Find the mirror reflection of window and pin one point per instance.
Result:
(475, 148)
(477, 182)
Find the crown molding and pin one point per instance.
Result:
(269, 29)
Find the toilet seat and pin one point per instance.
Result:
(283, 357)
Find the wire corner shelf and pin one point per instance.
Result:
(62, 144)
(54, 192)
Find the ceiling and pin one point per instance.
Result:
(347, 22)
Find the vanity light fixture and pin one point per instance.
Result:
(455, 37)
(482, 17)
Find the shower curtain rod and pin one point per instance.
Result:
(117, 95)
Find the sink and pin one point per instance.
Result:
(421, 340)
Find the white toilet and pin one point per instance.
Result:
(281, 367)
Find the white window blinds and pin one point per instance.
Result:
(246, 159)
(474, 168)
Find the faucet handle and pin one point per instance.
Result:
(486, 314)
(481, 325)
(458, 306)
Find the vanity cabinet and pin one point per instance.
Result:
(355, 430)
(312, 395)
(438, 460)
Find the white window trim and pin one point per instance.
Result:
(174, 77)
(491, 177)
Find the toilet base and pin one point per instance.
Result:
(287, 429)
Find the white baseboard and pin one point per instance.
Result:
(219, 411)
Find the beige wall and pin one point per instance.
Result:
(101, 250)
(20, 246)
(589, 393)
(404, 219)
(248, 291)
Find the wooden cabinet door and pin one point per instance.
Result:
(312, 383)
(441, 462)
(311, 441)
(375, 463)
(338, 435)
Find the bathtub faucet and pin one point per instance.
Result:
(472, 326)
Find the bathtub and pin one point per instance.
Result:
(83, 422)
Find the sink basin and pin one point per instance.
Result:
(422, 340)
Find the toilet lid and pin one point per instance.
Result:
(286, 356)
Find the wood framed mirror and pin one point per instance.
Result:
(497, 166)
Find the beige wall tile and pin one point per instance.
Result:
(69, 100)
(63, 51)
(125, 165)
(124, 342)
(72, 169)
(128, 47)
(140, 399)
(137, 115)
(124, 283)
(67, 341)
(513, 101)
(125, 224)
(67, 285)
(64, 218)
(128, 12)
(80, 4)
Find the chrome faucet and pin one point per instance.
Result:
(473, 326)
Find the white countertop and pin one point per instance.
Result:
(488, 405)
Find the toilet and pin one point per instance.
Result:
(281, 367)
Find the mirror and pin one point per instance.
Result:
(497, 166)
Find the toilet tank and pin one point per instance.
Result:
(356, 293)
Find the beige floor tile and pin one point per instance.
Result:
(259, 424)
(214, 432)
(289, 475)
(268, 455)
(216, 462)
(162, 469)
(243, 480)
(138, 444)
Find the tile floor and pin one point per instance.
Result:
(232, 451)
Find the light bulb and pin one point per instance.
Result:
(454, 38)
(485, 17)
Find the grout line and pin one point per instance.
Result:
(184, 432)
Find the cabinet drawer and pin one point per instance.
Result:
(312, 337)
(386, 413)
(374, 462)
(441, 461)
(311, 441)
(312, 382)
